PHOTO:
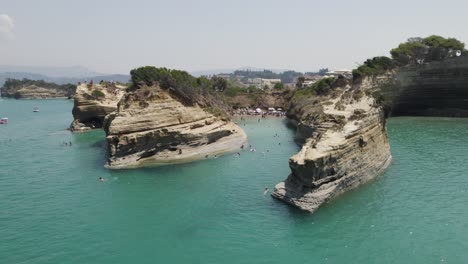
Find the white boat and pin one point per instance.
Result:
(35, 109)
(4, 120)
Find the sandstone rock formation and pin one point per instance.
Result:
(345, 144)
(93, 103)
(151, 126)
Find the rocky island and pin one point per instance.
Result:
(166, 117)
(36, 89)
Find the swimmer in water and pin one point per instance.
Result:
(101, 179)
(265, 191)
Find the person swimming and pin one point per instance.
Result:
(265, 191)
(101, 179)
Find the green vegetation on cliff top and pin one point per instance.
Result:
(188, 89)
(413, 51)
(321, 87)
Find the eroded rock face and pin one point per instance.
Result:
(151, 126)
(344, 146)
(90, 107)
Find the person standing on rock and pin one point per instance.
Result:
(180, 151)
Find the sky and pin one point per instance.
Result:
(115, 36)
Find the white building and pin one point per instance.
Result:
(344, 72)
(260, 83)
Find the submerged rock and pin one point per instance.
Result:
(152, 126)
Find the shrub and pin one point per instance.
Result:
(279, 85)
(97, 94)
(374, 66)
(321, 87)
(234, 91)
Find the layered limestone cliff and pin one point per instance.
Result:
(92, 103)
(152, 126)
(345, 144)
(438, 88)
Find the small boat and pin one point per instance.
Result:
(35, 109)
(4, 120)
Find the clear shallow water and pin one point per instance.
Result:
(54, 210)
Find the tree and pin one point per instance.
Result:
(376, 65)
(432, 48)
(300, 82)
(219, 84)
(279, 85)
(98, 94)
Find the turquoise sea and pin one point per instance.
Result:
(53, 209)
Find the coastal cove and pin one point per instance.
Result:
(54, 209)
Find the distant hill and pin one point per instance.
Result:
(69, 72)
(58, 75)
(123, 78)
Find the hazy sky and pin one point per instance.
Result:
(113, 36)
